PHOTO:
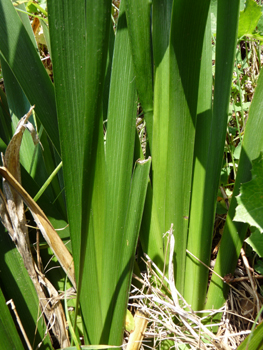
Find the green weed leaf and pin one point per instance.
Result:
(249, 18)
(254, 341)
(129, 322)
(250, 199)
(256, 242)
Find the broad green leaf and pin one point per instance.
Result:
(16, 48)
(255, 240)
(250, 200)
(259, 263)
(249, 18)
(260, 24)
(9, 336)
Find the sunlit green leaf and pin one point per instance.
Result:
(249, 18)
(250, 200)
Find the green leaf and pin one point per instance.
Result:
(254, 341)
(118, 256)
(139, 27)
(129, 321)
(259, 266)
(235, 232)
(260, 24)
(17, 49)
(91, 347)
(213, 16)
(249, 18)
(5, 119)
(196, 274)
(9, 336)
(127, 246)
(186, 43)
(161, 18)
(17, 285)
(79, 110)
(255, 240)
(250, 200)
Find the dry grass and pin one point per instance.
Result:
(171, 318)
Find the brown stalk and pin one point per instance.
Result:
(12, 214)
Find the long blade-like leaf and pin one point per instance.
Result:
(234, 232)
(19, 287)
(196, 274)
(9, 336)
(139, 26)
(79, 34)
(186, 42)
(161, 35)
(119, 165)
(227, 23)
(17, 48)
(128, 243)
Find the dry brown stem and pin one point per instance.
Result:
(13, 217)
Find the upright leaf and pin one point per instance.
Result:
(161, 33)
(250, 199)
(18, 286)
(235, 232)
(9, 336)
(138, 14)
(186, 42)
(79, 34)
(196, 274)
(17, 48)
(119, 165)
